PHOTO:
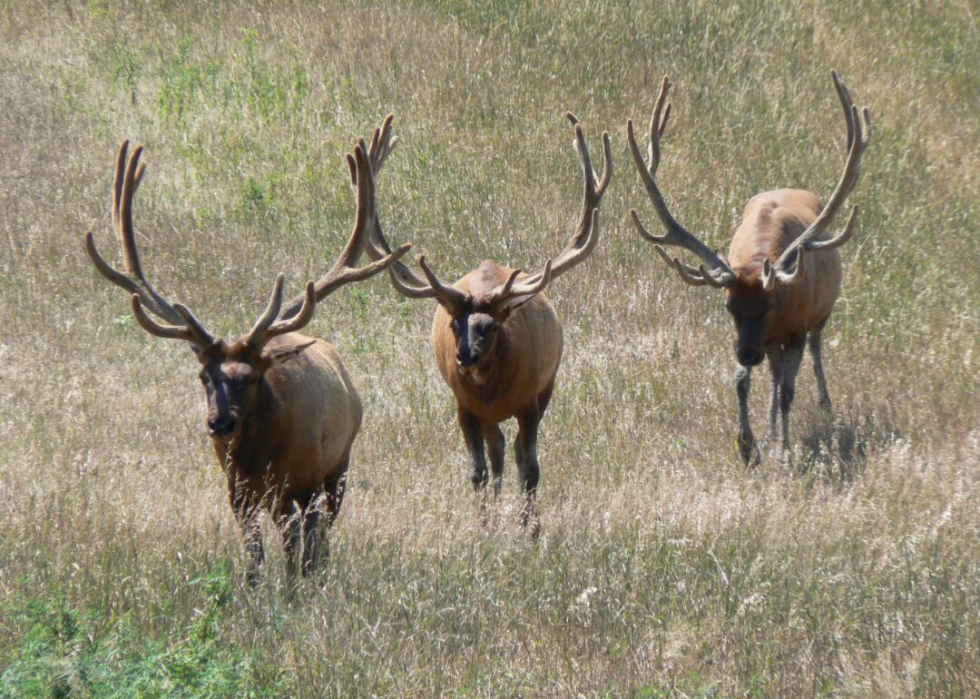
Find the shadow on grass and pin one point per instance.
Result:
(836, 448)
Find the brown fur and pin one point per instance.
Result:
(526, 354)
(770, 222)
(297, 438)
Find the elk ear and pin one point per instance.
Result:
(281, 355)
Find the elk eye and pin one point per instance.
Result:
(454, 324)
(205, 378)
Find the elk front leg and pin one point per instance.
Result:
(497, 445)
(248, 521)
(815, 341)
(746, 440)
(526, 452)
(473, 434)
(792, 357)
(775, 356)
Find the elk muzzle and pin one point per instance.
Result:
(749, 356)
(220, 426)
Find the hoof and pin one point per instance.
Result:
(747, 449)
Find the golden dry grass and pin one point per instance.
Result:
(665, 568)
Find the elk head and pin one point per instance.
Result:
(753, 291)
(233, 373)
(476, 321)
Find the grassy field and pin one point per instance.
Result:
(665, 568)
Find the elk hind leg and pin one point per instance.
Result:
(291, 527)
(815, 343)
(792, 357)
(316, 542)
(526, 450)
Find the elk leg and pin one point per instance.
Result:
(529, 472)
(496, 445)
(473, 434)
(316, 544)
(815, 341)
(746, 440)
(792, 357)
(248, 521)
(335, 488)
(775, 356)
(291, 527)
(313, 539)
(544, 398)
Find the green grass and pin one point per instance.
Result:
(665, 569)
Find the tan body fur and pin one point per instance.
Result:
(770, 222)
(526, 359)
(296, 443)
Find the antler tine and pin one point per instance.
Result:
(402, 278)
(840, 238)
(194, 325)
(449, 295)
(675, 234)
(171, 332)
(256, 334)
(586, 237)
(858, 139)
(343, 272)
(301, 319)
(658, 126)
(845, 99)
(364, 219)
(281, 327)
(536, 286)
(126, 180)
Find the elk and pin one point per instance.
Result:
(282, 412)
(782, 274)
(497, 339)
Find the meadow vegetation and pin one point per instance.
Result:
(665, 568)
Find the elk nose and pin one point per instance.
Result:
(467, 359)
(749, 356)
(221, 426)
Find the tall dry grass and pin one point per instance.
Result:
(665, 568)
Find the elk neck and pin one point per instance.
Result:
(488, 380)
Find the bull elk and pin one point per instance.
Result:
(282, 412)
(782, 274)
(497, 339)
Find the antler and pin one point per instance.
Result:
(586, 235)
(402, 277)
(717, 273)
(183, 324)
(579, 247)
(343, 271)
(858, 138)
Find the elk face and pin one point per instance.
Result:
(232, 376)
(476, 332)
(752, 311)
(231, 385)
